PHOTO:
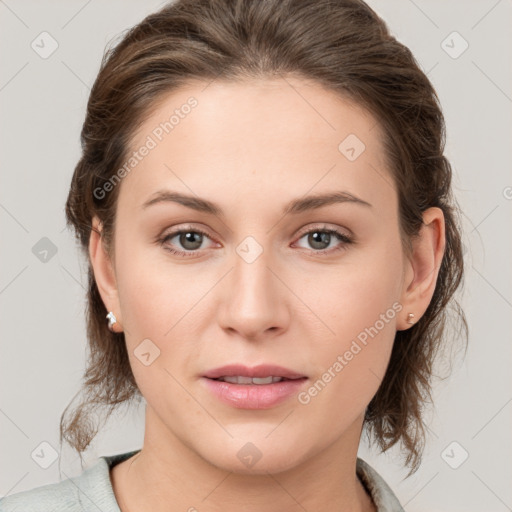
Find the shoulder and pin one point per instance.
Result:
(382, 495)
(57, 497)
(91, 490)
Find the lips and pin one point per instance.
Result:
(251, 394)
(260, 371)
(257, 387)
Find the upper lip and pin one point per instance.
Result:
(262, 370)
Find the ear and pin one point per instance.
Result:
(422, 267)
(104, 272)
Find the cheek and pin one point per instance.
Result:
(154, 306)
(350, 370)
(360, 307)
(152, 291)
(351, 295)
(160, 302)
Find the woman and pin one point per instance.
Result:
(267, 214)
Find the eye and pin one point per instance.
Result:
(320, 238)
(189, 238)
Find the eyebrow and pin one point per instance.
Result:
(295, 206)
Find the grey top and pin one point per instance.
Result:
(91, 491)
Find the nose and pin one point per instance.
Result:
(255, 302)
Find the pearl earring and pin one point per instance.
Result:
(111, 321)
(410, 317)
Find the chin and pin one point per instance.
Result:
(256, 457)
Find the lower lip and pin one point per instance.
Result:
(254, 396)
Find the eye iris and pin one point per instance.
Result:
(189, 236)
(319, 237)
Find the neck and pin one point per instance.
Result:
(166, 475)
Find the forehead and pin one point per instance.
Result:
(257, 139)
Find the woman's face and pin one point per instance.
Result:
(265, 284)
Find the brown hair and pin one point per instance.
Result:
(341, 44)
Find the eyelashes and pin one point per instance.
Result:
(180, 232)
(343, 238)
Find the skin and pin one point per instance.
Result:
(251, 147)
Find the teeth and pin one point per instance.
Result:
(250, 380)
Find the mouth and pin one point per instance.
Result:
(259, 387)
(259, 381)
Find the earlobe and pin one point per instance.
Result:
(424, 265)
(103, 269)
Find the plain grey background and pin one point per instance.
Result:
(42, 295)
